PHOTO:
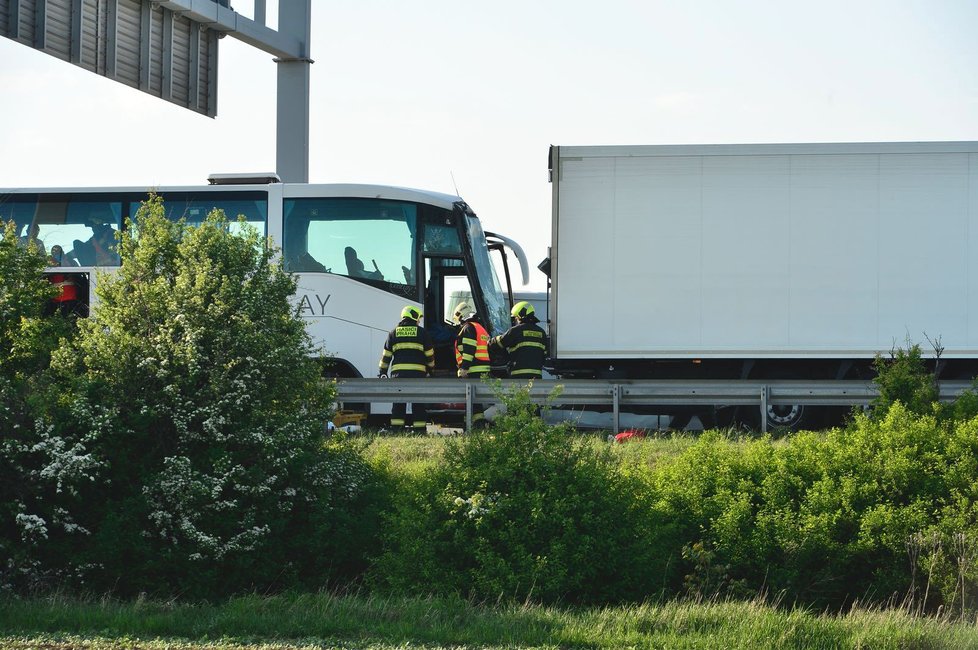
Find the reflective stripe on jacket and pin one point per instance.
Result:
(472, 348)
(408, 351)
(526, 344)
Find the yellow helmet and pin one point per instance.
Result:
(521, 310)
(411, 312)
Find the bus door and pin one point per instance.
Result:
(447, 285)
(441, 258)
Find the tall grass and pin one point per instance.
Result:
(411, 455)
(408, 455)
(651, 451)
(293, 621)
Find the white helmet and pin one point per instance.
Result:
(463, 311)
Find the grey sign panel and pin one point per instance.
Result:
(141, 43)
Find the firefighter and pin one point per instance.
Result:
(408, 352)
(525, 342)
(471, 351)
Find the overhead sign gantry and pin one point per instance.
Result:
(169, 49)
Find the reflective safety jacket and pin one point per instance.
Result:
(472, 348)
(527, 345)
(408, 351)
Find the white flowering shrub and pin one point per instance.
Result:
(186, 433)
(522, 511)
(28, 515)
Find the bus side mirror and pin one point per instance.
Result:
(544, 267)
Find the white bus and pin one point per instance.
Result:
(361, 252)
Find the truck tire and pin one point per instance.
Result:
(782, 419)
(788, 417)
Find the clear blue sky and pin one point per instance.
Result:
(410, 94)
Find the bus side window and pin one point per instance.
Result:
(370, 240)
(103, 220)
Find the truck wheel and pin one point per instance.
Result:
(786, 417)
(795, 417)
(789, 417)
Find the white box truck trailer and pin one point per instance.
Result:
(762, 261)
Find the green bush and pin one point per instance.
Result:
(184, 440)
(904, 378)
(523, 511)
(823, 518)
(26, 343)
(25, 339)
(343, 534)
(710, 496)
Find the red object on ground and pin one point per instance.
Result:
(625, 436)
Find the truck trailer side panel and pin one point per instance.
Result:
(764, 251)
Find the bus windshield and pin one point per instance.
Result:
(498, 312)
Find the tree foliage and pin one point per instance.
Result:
(829, 518)
(25, 339)
(523, 511)
(904, 378)
(184, 440)
(26, 343)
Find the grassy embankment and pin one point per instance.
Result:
(375, 622)
(410, 456)
(312, 621)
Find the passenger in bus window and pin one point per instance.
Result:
(355, 267)
(57, 256)
(100, 249)
(31, 236)
(103, 240)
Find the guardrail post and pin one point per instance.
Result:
(615, 394)
(765, 392)
(468, 406)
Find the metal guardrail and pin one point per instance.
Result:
(622, 393)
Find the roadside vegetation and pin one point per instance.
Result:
(373, 622)
(168, 455)
(173, 442)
